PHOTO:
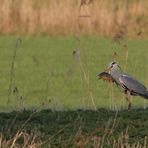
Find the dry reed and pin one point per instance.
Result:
(98, 17)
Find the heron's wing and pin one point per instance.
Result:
(132, 84)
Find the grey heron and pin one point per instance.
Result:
(128, 84)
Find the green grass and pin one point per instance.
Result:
(48, 75)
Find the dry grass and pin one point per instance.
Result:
(28, 140)
(98, 17)
(22, 139)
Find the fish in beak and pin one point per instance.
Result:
(105, 76)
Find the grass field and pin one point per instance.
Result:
(51, 53)
(51, 73)
(52, 83)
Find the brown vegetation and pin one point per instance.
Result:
(62, 17)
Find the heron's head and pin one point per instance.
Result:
(113, 66)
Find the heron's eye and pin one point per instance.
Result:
(113, 63)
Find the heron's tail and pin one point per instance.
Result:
(145, 95)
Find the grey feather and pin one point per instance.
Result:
(133, 85)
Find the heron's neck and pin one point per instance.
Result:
(115, 73)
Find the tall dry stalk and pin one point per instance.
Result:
(81, 65)
(11, 76)
(144, 101)
(126, 52)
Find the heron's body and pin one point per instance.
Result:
(128, 84)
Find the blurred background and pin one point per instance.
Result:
(66, 17)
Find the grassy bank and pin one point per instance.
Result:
(75, 128)
(58, 73)
(66, 17)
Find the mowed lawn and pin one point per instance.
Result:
(50, 72)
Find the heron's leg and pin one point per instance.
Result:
(128, 98)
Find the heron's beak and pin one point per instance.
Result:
(108, 69)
